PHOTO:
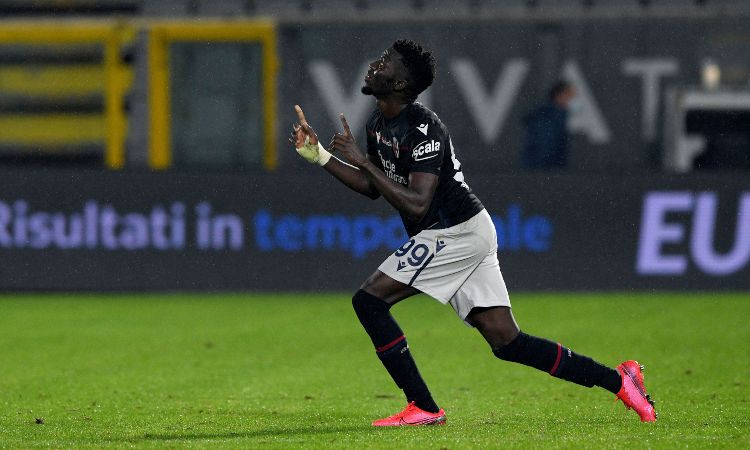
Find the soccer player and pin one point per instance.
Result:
(452, 251)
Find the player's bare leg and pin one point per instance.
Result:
(372, 304)
(509, 343)
(387, 289)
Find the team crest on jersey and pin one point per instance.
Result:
(380, 139)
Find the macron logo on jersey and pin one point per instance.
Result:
(425, 150)
(422, 128)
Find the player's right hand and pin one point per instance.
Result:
(306, 141)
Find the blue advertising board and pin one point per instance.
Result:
(80, 230)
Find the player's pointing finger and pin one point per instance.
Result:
(302, 120)
(347, 131)
(300, 115)
(306, 128)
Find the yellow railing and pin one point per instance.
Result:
(54, 81)
(116, 80)
(162, 34)
(108, 34)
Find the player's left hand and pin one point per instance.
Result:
(346, 145)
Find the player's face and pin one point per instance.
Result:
(382, 74)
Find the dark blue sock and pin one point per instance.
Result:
(392, 349)
(559, 361)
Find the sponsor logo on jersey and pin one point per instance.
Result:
(390, 169)
(422, 128)
(393, 143)
(425, 150)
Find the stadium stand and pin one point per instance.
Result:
(62, 86)
(277, 8)
(167, 8)
(439, 7)
(52, 101)
(393, 7)
(322, 8)
(70, 7)
(52, 95)
(223, 8)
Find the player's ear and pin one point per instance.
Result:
(400, 85)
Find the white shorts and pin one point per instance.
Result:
(456, 265)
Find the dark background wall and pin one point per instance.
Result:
(91, 230)
(492, 72)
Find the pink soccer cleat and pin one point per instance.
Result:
(633, 391)
(412, 415)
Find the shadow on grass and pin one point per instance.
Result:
(276, 432)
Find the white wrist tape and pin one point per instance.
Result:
(323, 155)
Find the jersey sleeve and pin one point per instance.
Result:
(426, 143)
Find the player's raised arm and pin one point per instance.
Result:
(412, 200)
(306, 143)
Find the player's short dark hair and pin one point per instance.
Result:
(420, 64)
(558, 88)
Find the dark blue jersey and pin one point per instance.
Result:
(417, 141)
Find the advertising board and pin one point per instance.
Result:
(79, 230)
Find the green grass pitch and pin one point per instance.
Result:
(281, 371)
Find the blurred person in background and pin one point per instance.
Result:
(545, 143)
